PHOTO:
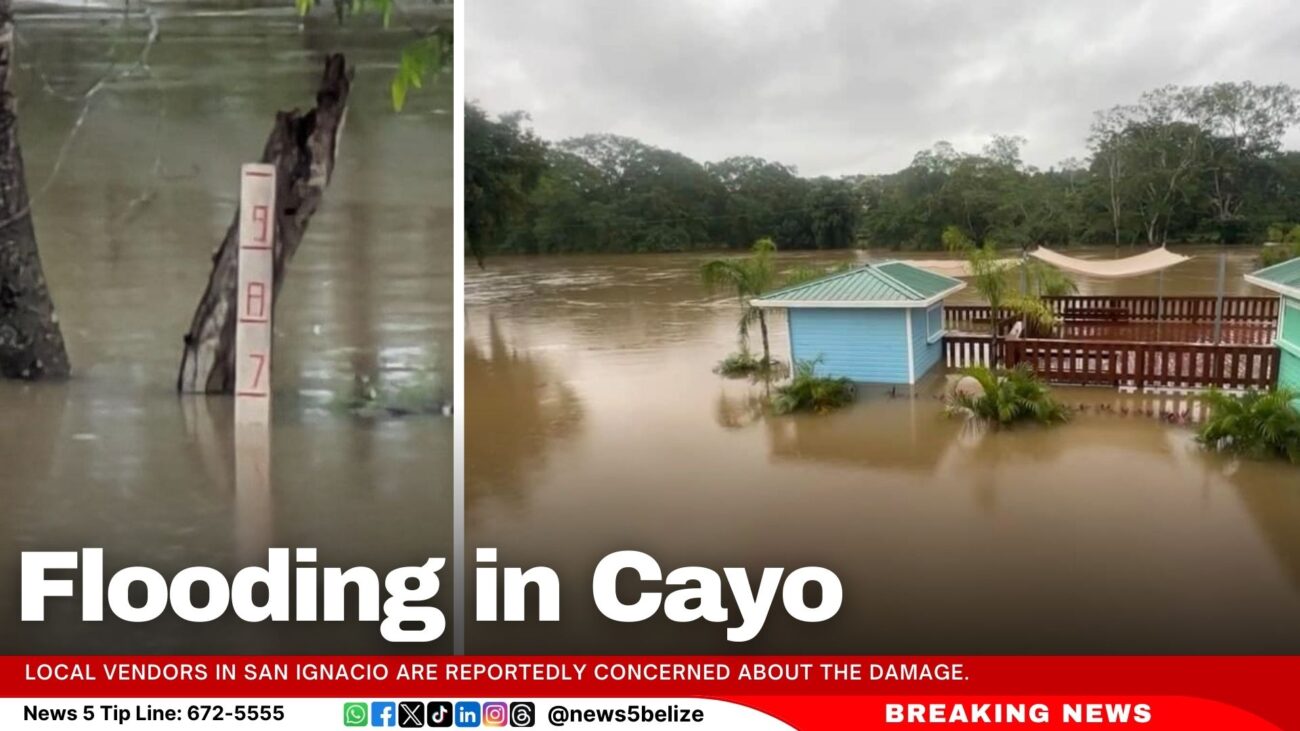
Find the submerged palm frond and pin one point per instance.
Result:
(1007, 397)
(744, 363)
(809, 392)
(1258, 424)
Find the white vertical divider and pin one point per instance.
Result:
(458, 341)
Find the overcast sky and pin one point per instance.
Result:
(843, 86)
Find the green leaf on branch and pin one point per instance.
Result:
(418, 61)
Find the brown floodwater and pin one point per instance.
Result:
(134, 186)
(594, 424)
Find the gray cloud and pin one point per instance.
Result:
(837, 86)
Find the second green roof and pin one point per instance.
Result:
(889, 284)
(1283, 278)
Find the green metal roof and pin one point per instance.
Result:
(920, 280)
(1283, 278)
(890, 283)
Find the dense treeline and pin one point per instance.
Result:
(1183, 164)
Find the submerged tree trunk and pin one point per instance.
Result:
(302, 147)
(31, 344)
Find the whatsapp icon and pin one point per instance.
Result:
(355, 714)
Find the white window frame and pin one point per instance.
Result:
(937, 335)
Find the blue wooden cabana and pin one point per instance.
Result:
(879, 323)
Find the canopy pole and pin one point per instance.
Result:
(1218, 303)
(1160, 304)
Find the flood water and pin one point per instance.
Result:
(134, 185)
(594, 424)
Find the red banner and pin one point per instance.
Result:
(805, 691)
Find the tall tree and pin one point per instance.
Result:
(1245, 122)
(503, 163)
(1180, 164)
(31, 343)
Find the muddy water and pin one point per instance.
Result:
(594, 424)
(134, 186)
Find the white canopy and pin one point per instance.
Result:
(1130, 266)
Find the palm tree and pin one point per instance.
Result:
(1045, 280)
(988, 276)
(748, 277)
(991, 276)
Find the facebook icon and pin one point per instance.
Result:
(383, 713)
(468, 714)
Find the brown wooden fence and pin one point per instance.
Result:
(1149, 308)
(1078, 308)
(1121, 363)
(1233, 333)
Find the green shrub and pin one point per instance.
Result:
(1008, 397)
(809, 392)
(956, 240)
(1283, 233)
(1271, 255)
(1260, 424)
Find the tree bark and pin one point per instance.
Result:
(302, 148)
(31, 343)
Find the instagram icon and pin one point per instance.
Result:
(494, 714)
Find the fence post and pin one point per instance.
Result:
(1140, 362)
(1218, 302)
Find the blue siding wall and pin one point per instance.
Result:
(1289, 331)
(866, 345)
(927, 354)
(1289, 341)
(1289, 373)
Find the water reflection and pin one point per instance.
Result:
(132, 202)
(510, 443)
(1273, 504)
(737, 411)
(1115, 533)
(918, 441)
(254, 507)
